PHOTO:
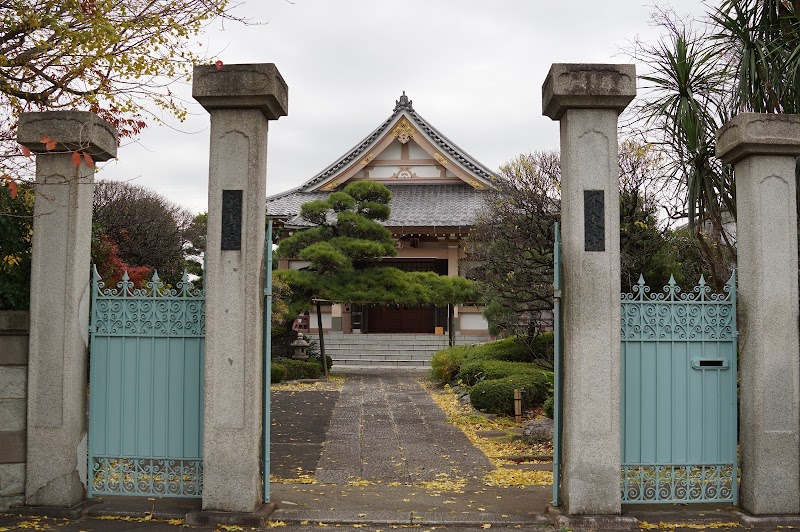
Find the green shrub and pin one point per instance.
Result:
(515, 349)
(474, 371)
(278, 372)
(445, 364)
(510, 349)
(497, 396)
(548, 407)
(316, 360)
(298, 369)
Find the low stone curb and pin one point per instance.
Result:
(765, 521)
(62, 512)
(256, 519)
(590, 522)
(405, 518)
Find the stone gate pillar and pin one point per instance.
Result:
(59, 309)
(762, 148)
(587, 99)
(241, 100)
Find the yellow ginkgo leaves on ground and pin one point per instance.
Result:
(498, 452)
(333, 384)
(644, 525)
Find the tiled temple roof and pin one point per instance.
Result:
(411, 205)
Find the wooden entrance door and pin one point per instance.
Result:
(401, 319)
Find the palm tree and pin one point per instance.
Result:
(689, 98)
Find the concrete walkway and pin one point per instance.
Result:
(386, 441)
(386, 428)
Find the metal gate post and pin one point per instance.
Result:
(266, 434)
(557, 367)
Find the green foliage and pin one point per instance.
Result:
(368, 192)
(343, 248)
(345, 234)
(16, 229)
(445, 364)
(548, 406)
(299, 369)
(278, 372)
(326, 256)
(516, 349)
(497, 396)
(694, 77)
(380, 285)
(475, 370)
(316, 358)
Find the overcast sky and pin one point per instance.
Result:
(473, 68)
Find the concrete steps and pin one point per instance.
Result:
(398, 351)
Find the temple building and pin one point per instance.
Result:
(437, 191)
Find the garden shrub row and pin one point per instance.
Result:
(290, 369)
(492, 371)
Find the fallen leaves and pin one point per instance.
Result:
(518, 477)
(644, 525)
(496, 451)
(333, 384)
(300, 479)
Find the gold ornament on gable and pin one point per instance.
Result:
(368, 159)
(440, 159)
(403, 131)
(330, 185)
(477, 184)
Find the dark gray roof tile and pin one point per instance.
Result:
(411, 205)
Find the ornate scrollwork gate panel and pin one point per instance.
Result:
(145, 389)
(679, 395)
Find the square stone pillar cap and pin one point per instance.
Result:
(587, 86)
(72, 130)
(255, 86)
(758, 134)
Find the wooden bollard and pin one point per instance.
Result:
(518, 405)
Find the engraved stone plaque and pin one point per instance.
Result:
(231, 219)
(594, 225)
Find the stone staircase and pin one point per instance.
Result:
(409, 351)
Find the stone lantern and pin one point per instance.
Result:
(300, 347)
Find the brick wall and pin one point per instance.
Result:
(13, 393)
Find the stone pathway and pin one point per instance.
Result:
(386, 428)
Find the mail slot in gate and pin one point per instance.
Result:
(709, 363)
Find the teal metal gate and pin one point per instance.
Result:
(145, 389)
(679, 397)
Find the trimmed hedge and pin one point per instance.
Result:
(277, 372)
(297, 369)
(514, 349)
(497, 396)
(475, 371)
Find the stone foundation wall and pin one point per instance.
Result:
(13, 393)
